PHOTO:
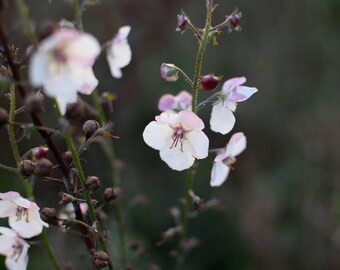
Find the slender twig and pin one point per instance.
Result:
(9, 169)
(186, 77)
(189, 181)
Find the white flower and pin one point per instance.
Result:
(23, 215)
(63, 64)
(226, 158)
(118, 52)
(178, 137)
(222, 119)
(14, 248)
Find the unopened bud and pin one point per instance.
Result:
(234, 19)
(93, 183)
(66, 198)
(26, 168)
(90, 127)
(169, 73)
(209, 82)
(100, 259)
(111, 194)
(75, 110)
(67, 156)
(182, 21)
(45, 29)
(40, 152)
(49, 215)
(4, 117)
(43, 167)
(34, 103)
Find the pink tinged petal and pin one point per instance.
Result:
(237, 144)
(166, 102)
(9, 195)
(123, 34)
(199, 143)
(37, 69)
(169, 118)
(221, 156)
(219, 174)
(88, 82)
(178, 158)
(241, 93)
(6, 243)
(232, 83)
(222, 119)
(184, 100)
(7, 209)
(7, 232)
(83, 208)
(157, 136)
(190, 121)
(23, 202)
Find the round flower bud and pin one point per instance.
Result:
(234, 21)
(209, 82)
(34, 103)
(111, 194)
(90, 127)
(43, 167)
(67, 156)
(100, 259)
(182, 21)
(169, 73)
(40, 152)
(75, 110)
(49, 215)
(4, 117)
(93, 183)
(26, 168)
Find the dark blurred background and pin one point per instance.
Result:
(280, 208)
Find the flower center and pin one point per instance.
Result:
(17, 249)
(21, 211)
(229, 161)
(59, 54)
(178, 135)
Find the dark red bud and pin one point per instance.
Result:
(209, 82)
(40, 152)
(234, 21)
(182, 21)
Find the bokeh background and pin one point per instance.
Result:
(280, 208)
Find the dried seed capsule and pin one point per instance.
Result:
(93, 183)
(100, 259)
(111, 194)
(35, 103)
(49, 215)
(90, 127)
(43, 167)
(26, 168)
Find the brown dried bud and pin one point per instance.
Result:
(100, 259)
(45, 29)
(92, 183)
(67, 156)
(35, 103)
(111, 194)
(43, 167)
(4, 117)
(75, 110)
(26, 168)
(49, 215)
(90, 127)
(66, 198)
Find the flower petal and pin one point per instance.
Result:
(169, 118)
(222, 119)
(232, 83)
(237, 144)
(37, 70)
(184, 100)
(219, 174)
(199, 143)
(166, 102)
(6, 243)
(190, 121)
(7, 208)
(19, 261)
(241, 93)
(157, 136)
(178, 158)
(87, 81)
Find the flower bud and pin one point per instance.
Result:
(75, 110)
(66, 198)
(92, 183)
(67, 156)
(40, 152)
(49, 215)
(182, 21)
(111, 194)
(35, 103)
(209, 82)
(4, 117)
(100, 259)
(43, 167)
(26, 168)
(169, 73)
(233, 21)
(90, 127)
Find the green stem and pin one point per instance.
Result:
(23, 10)
(189, 180)
(77, 14)
(25, 181)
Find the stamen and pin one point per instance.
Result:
(21, 211)
(177, 136)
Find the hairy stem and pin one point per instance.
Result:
(77, 14)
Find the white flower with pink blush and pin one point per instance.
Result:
(118, 53)
(226, 158)
(62, 64)
(178, 137)
(23, 215)
(14, 248)
(180, 102)
(222, 119)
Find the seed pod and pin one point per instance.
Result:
(49, 215)
(111, 194)
(90, 127)
(93, 183)
(26, 168)
(35, 103)
(100, 259)
(43, 167)
(4, 117)
(75, 110)
(67, 156)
